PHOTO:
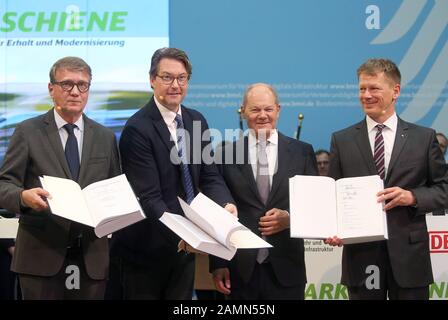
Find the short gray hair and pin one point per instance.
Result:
(70, 63)
(374, 66)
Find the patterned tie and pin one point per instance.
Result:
(264, 188)
(71, 151)
(181, 147)
(378, 153)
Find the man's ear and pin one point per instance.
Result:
(242, 109)
(50, 90)
(397, 89)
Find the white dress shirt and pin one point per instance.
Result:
(169, 118)
(271, 152)
(79, 131)
(388, 132)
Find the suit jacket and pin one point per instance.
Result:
(287, 255)
(146, 147)
(35, 149)
(416, 165)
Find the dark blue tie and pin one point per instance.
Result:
(181, 147)
(71, 151)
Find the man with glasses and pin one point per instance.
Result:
(162, 158)
(54, 257)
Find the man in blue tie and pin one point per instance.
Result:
(163, 160)
(54, 257)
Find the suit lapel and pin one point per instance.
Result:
(400, 140)
(362, 140)
(246, 168)
(160, 125)
(165, 135)
(55, 141)
(282, 165)
(87, 146)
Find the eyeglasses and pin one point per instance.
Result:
(169, 79)
(69, 85)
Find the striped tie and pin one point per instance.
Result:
(378, 153)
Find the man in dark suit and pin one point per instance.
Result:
(162, 148)
(63, 143)
(257, 169)
(409, 160)
(323, 162)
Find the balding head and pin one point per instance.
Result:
(257, 88)
(261, 108)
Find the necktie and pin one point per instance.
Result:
(378, 153)
(262, 172)
(263, 186)
(181, 147)
(71, 151)
(72, 156)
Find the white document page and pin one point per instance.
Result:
(111, 225)
(8, 228)
(213, 219)
(246, 239)
(67, 199)
(196, 237)
(111, 198)
(313, 207)
(359, 212)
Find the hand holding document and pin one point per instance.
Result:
(108, 205)
(347, 208)
(209, 228)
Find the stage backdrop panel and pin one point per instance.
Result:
(117, 38)
(323, 265)
(310, 50)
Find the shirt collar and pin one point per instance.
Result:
(273, 138)
(167, 115)
(60, 122)
(390, 123)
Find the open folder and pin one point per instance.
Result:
(347, 208)
(108, 205)
(209, 228)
